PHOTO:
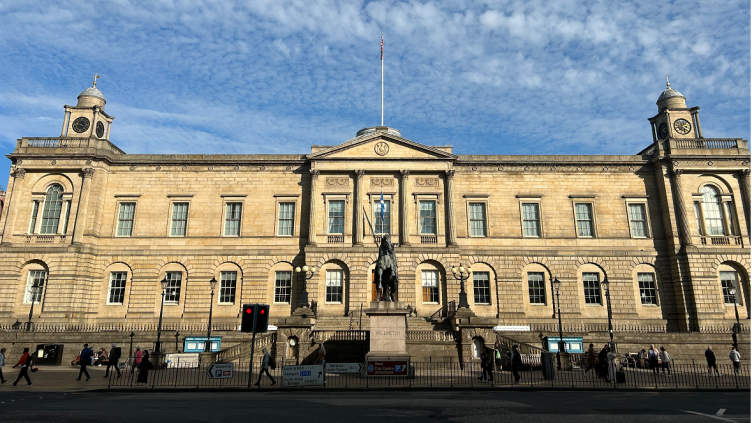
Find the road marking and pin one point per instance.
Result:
(720, 412)
(710, 416)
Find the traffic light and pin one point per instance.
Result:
(255, 318)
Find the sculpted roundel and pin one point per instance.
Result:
(381, 148)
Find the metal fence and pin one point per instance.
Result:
(443, 375)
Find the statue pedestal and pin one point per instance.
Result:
(388, 330)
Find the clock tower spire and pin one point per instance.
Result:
(87, 119)
(674, 120)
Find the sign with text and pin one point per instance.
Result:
(344, 367)
(220, 371)
(387, 367)
(182, 361)
(511, 328)
(312, 375)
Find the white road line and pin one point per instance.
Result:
(709, 416)
(720, 412)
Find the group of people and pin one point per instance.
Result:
(490, 359)
(603, 363)
(655, 360)
(27, 364)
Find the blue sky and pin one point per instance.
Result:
(276, 76)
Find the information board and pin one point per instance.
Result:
(182, 361)
(387, 367)
(344, 367)
(312, 375)
(220, 371)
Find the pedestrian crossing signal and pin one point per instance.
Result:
(255, 318)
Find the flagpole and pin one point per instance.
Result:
(382, 79)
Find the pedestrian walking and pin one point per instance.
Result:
(86, 360)
(265, 367)
(665, 361)
(113, 361)
(143, 368)
(736, 360)
(611, 357)
(487, 365)
(710, 357)
(489, 369)
(136, 359)
(592, 359)
(516, 361)
(2, 363)
(26, 363)
(601, 367)
(497, 355)
(641, 357)
(653, 355)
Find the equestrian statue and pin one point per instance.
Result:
(387, 277)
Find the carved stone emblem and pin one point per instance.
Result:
(337, 182)
(427, 182)
(381, 148)
(382, 182)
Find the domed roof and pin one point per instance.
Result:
(93, 92)
(669, 92)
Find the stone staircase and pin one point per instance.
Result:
(242, 351)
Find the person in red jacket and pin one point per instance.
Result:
(26, 364)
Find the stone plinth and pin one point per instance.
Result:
(388, 329)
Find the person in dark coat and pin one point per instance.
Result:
(85, 360)
(486, 365)
(143, 369)
(516, 361)
(601, 368)
(710, 357)
(115, 353)
(592, 359)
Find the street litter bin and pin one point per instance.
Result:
(547, 364)
(48, 355)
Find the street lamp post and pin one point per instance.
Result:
(606, 287)
(34, 289)
(130, 354)
(305, 273)
(177, 335)
(461, 274)
(737, 326)
(208, 343)
(158, 344)
(562, 345)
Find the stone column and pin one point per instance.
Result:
(312, 209)
(404, 232)
(681, 210)
(744, 185)
(83, 203)
(359, 174)
(449, 198)
(19, 176)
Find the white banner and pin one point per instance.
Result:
(511, 328)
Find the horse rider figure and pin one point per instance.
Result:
(386, 270)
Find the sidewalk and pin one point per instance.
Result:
(55, 379)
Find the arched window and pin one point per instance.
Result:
(711, 205)
(53, 206)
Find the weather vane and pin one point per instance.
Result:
(95, 79)
(668, 84)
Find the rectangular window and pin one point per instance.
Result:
(125, 219)
(34, 286)
(172, 292)
(584, 216)
(430, 283)
(536, 287)
(648, 295)
(67, 216)
(477, 219)
(481, 288)
(638, 221)
(592, 284)
(286, 219)
(282, 287)
(728, 283)
(51, 216)
(232, 218)
(34, 213)
(730, 217)
(379, 227)
(337, 217)
(530, 220)
(117, 288)
(227, 284)
(179, 219)
(334, 286)
(697, 217)
(427, 217)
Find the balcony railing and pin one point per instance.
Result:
(46, 239)
(428, 239)
(721, 240)
(335, 239)
(70, 143)
(703, 143)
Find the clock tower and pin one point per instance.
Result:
(674, 119)
(87, 119)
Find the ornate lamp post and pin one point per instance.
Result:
(177, 335)
(305, 273)
(208, 343)
(737, 326)
(606, 287)
(34, 290)
(556, 283)
(158, 344)
(462, 274)
(130, 354)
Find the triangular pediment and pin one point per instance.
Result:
(381, 146)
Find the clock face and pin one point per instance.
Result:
(682, 126)
(663, 131)
(80, 124)
(292, 342)
(100, 129)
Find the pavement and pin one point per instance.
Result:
(465, 406)
(55, 379)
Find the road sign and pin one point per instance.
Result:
(387, 367)
(344, 367)
(312, 375)
(220, 371)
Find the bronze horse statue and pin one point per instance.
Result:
(387, 277)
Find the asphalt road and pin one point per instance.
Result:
(375, 406)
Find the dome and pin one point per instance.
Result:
(669, 92)
(670, 98)
(91, 97)
(93, 92)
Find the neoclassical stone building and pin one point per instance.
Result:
(89, 231)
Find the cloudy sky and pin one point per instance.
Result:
(275, 76)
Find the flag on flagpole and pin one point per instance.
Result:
(382, 210)
(382, 46)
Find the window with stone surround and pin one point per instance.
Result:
(592, 286)
(427, 217)
(233, 213)
(286, 219)
(125, 219)
(116, 291)
(481, 288)
(648, 293)
(477, 219)
(430, 284)
(282, 287)
(584, 218)
(531, 220)
(228, 282)
(638, 222)
(172, 292)
(53, 207)
(729, 281)
(34, 286)
(334, 286)
(336, 217)
(711, 207)
(34, 214)
(536, 288)
(179, 222)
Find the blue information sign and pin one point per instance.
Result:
(198, 344)
(571, 344)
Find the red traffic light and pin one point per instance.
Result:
(261, 311)
(248, 311)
